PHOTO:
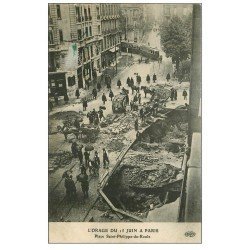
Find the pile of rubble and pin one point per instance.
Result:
(117, 125)
(66, 115)
(115, 144)
(154, 177)
(60, 159)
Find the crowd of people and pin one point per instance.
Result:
(88, 162)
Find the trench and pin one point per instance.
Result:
(147, 183)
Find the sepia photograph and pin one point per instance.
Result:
(124, 122)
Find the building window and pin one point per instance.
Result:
(90, 31)
(61, 35)
(91, 50)
(85, 14)
(79, 34)
(89, 12)
(99, 29)
(78, 16)
(86, 31)
(58, 11)
(51, 40)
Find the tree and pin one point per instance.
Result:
(176, 39)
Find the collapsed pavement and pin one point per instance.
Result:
(150, 174)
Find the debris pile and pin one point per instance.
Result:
(66, 115)
(60, 159)
(115, 144)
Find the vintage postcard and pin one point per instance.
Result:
(124, 100)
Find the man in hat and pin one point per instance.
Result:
(86, 156)
(111, 94)
(83, 179)
(80, 155)
(77, 94)
(104, 98)
(74, 149)
(168, 77)
(94, 93)
(184, 94)
(100, 112)
(119, 84)
(105, 158)
(154, 77)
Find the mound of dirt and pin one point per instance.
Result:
(64, 115)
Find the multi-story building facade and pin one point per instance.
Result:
(110, 23)
(75, 40)
(170, 10)
(133, 14)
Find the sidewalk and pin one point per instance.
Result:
(123, 61)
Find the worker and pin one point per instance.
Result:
(94, 93)
(119, 84)
(98, 86)
(136, 124)
(105, 158)
(128, 82)
(77, 93)
(184, 94)
(74, 149)
(84, 104)
(100, 112)
(111, 94)
(139, 98)
(148, 78)
(80, 155)
(86, 156)
(104, 98)
(168, 77)
(83, 179)
(72, 188)
(142, 115)
(154, 77)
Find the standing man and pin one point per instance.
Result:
(66, 98)
(136, 124)
(139, 98)
(175, 95)
(104, 98)
(87, 83)
(111, 94)
(128, 82)
(86, 156)
(184, 94)
(142, 114)
(97, 163)
(105, 158)
(84, 104)
(148, 78)
(74, 149)
(80, 155)
(172, 94)
(77, 94)
(72, 188)
(99, 86)
(94, 93)
(119, 83)
(154, 77)
(100, 112)
(168, 77)
(83, 179)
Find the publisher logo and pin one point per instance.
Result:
(190, 234)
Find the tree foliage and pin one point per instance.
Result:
(176, 38)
